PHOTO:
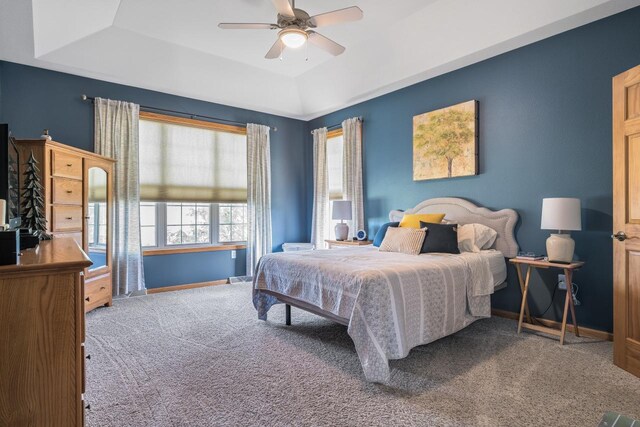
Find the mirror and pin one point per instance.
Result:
(97, 217)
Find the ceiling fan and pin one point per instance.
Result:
(296, 27)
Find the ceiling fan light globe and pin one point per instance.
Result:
(293, 37)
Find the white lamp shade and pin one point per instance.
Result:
(341, 210)
(561, 214)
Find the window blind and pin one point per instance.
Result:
(181, 163)
(334, 166)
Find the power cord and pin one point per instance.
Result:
(574, 292)
(553, 297)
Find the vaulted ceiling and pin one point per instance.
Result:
(176, 46)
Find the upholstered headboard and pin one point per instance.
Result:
(464, 212)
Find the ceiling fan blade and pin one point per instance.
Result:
(349, 14)
(324, 43)
(284, 8)
(276, 50)
(246, 26)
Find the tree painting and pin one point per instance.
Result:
(444, 142)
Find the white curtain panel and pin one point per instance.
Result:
(321, 222)
(352, 172)
(258, 194)
(116, 136)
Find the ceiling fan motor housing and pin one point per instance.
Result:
(301, 20)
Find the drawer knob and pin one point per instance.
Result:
(69, 191)
(102, 288)
(69, 217)
(69, 164)
(87, 299)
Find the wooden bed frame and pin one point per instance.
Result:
(455, 209)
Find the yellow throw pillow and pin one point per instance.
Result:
(413, 220)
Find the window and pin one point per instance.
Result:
(185, 160)
(193, 182)
(97, 224)
(190, 224)
(335, 159)
(148, 220)
(232, 223)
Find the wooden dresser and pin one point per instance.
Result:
(42, 336)
(79, 204)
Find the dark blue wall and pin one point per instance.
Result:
(34, 99)
(169, 270)
(545, 130)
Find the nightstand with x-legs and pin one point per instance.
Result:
(524, 286)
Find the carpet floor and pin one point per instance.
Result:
(202, 358)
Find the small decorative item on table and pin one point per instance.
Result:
(562, 214)
(341, 212)
(531, 256)
(45, 135)
(33, 218)
(361, 235)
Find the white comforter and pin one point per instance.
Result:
(393, 301)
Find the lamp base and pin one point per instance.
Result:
(342, 231)
(560, 248)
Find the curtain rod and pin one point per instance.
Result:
(332, 127)
(182, 113)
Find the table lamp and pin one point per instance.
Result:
(562, 214)
(341, 211)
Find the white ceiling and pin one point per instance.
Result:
(176, 47)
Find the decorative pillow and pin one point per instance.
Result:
(441, 238)
(406, 240)
(413, 220)
(382, 232)
(475, 237)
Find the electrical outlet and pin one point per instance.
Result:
(233, 254)
(561, 282)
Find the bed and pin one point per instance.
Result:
(392, 302)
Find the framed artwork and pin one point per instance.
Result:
(445, 142)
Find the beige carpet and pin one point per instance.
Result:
(201, 358)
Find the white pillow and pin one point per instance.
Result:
(475, 237)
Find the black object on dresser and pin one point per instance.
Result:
(9, 247)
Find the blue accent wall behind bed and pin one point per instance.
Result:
(545, 130)
(34, 99)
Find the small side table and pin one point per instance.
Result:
(347, 243)
(568, 302)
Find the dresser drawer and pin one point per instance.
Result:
(66, 191)
(66, 218)
(97, 291)
(66, 165)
